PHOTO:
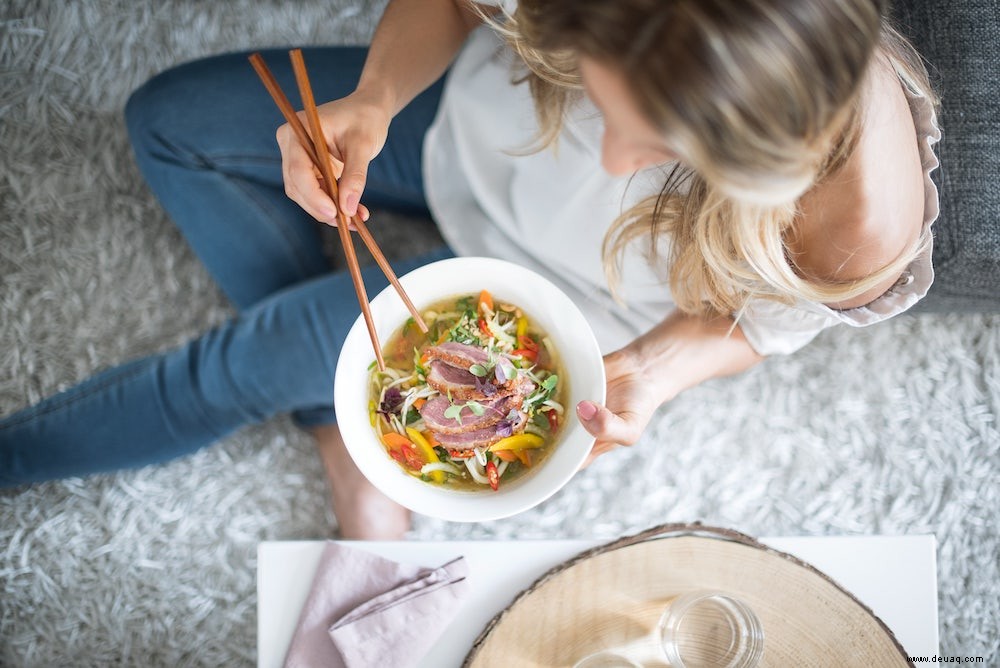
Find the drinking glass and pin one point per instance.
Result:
(710, 629)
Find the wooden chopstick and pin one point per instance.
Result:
(326, 169)
(315, 149)
(362, 227)
(300, 131)
(287, 110)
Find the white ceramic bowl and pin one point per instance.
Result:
(550, 309)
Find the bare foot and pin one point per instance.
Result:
(363, 512)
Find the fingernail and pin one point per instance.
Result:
(351, 204)
(586, 410)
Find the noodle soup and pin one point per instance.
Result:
(475, 402)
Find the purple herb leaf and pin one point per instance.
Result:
(486, 387)
(391, 402)
(504, 428)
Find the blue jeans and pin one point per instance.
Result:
(203, 135)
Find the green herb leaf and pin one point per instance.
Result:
(478, 370)
(476, 407)
(454, 412)
(550, 382)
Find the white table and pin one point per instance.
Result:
(894, 575)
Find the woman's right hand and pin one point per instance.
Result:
(355, 129)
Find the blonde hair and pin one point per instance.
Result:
(760, 101)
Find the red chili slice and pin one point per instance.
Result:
(412, 459)
(527, 343)
(553, 420)
(530, 355)
(493, 475)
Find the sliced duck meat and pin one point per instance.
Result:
(435, 414)
(501, 369)
(487, 436)
(458, 354)
(458, 383)
(461, 385)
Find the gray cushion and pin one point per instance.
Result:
(959, 41)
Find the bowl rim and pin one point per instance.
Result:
(550, 308)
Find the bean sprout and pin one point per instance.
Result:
(475, 472)
(440, 466)
(558, 407)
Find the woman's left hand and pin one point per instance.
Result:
(678, 353)
(629, 405)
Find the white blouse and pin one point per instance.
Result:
(549, 210)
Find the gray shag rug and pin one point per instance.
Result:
(890, 430)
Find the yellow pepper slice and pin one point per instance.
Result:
(427, 451)
(522, 327)
(518, 442)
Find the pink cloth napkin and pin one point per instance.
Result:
(365, 610)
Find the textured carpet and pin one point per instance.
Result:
(890, 430)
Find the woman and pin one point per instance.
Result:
(742, 174)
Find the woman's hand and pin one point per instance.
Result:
(413, 44)
(680, 352)
(629, 405)
(355, 129)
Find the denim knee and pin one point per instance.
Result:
(152, 113)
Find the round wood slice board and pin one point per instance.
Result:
(614, 595)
